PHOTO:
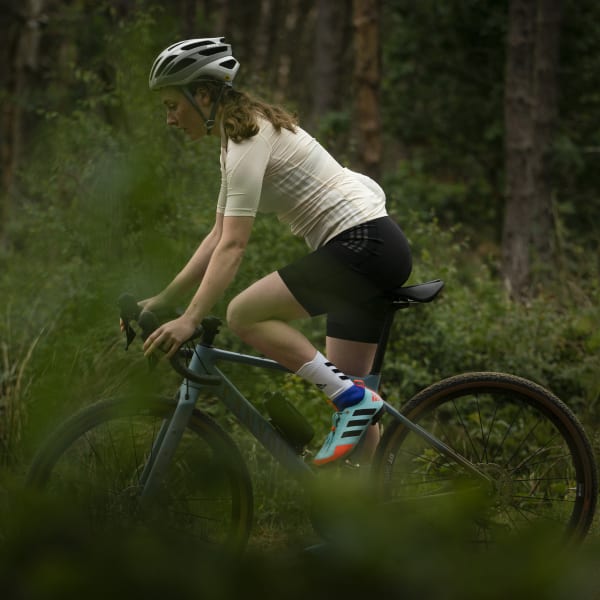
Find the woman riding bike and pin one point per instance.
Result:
(270, 164)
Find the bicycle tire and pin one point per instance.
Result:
(94, 461)
(526, 440)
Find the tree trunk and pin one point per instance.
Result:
(189, 9)
(327, 57)
(545, 118)
(367, 81)
(11, 22)
(530, 115)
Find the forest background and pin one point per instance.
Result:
(480, 119)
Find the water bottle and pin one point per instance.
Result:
(286, 418)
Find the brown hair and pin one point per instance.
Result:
(240, 111)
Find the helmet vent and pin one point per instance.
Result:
(213, 50)
(198, 44)
(162, 66)
(229, 63)
(182, 64)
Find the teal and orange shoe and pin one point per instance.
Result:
(349, 427)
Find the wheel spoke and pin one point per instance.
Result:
(96, 460)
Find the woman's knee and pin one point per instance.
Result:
(266, 299)
(237, 315)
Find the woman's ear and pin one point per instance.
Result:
(202, 97)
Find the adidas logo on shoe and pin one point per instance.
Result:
(349, 426)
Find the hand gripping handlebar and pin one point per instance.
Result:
(148, 322)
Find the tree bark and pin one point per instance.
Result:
(189, 10)
(20, 75)
(327, 57)
(367, 81)
(530, 114)
(545, 118)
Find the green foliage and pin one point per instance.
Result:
(443, 93)
(474, 326)
(576, 148)
(46, 552)
(101, 213)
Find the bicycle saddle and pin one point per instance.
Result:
(421, 292)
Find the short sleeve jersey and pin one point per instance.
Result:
(292, 175)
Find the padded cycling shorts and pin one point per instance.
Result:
(352, 278)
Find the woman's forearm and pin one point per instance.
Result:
(192, 273)
(219, 274)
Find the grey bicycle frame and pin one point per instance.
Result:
(204, 363)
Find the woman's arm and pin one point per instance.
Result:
(190, 276)
(220, 271)
(222, 267)
(241, 185)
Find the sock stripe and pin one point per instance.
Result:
(335, 370)
(326, 376)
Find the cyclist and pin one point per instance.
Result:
(270, 164)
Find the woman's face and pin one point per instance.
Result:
(182, 115)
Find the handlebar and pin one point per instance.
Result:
(148, 322)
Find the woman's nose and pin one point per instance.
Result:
(171, 120)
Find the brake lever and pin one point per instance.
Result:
(130, 311)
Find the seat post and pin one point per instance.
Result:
(404, 297)
(383, 341)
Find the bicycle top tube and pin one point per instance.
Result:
(214, 355)
(217, 354)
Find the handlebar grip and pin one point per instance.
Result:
(148, 322)
(130, 309)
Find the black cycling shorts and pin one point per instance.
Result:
(351, 277)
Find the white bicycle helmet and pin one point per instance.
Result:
(192, 60)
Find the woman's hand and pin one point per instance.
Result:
(169, 336)
(155, 304)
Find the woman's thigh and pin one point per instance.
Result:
(266, 299)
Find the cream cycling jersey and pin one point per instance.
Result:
(293, 176)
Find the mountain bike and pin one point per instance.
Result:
(127, 459)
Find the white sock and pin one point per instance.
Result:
(325, 376)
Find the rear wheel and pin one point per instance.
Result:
(532, 448)
(96, 458)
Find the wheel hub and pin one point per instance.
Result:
(502, 483)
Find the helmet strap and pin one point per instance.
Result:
(210, 122)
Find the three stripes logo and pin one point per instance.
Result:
(335, 370)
